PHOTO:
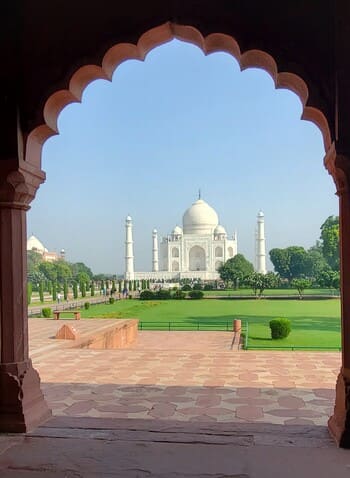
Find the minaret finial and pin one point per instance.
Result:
(199, 193)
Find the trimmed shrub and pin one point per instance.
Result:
(179, 294)
(46, 312)
(163, 294)
(186, 287)
(65, 290)
(196, 294)
(29, 292)
(208, 287)
(41, 291)
(75, 290)
(86, 305)
(111, 300)
(147, 295)
(197, 286)
(54, 291)
(280, 328)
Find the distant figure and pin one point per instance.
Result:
(125, 292)
(58, 298)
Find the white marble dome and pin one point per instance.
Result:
(33, 244)
(200, 218)
(219, 230)
(177, 230)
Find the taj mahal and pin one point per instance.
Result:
(194, 251)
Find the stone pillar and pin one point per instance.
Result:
(260, 244)
(155, 263)
(129, 250)
(339, 423)
(22, 405)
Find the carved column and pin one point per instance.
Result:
(22, 405)
(338, 166)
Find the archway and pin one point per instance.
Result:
(219, 251)
(197, 259)
(22, 182)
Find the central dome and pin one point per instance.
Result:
(200, 218)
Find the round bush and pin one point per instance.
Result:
(86, 305)
(163, 294)
(46, 312)
(111, 300)
(196, 294)
(208, 287)
(197, 286)
(186, 287)
(147, 295)
(179, 294)
(280, 328)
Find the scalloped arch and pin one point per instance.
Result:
(151, 39)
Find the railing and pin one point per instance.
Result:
(68, 305)
(245, 332)
(223, 326)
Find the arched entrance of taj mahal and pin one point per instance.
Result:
(62, 47)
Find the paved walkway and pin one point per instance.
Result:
(183, 376)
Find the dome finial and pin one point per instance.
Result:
(199, 193)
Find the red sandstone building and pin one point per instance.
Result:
(51, 50)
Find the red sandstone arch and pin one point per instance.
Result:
(148, 41)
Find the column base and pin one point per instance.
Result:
(339, 422)
(22, 404)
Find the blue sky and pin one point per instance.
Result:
(145, 143)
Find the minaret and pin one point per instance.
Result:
(260, 245)
(155, 264)
(129, 250)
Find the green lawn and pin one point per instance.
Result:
(249, 292)
(315, 323)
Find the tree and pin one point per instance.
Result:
(65, 290)
(79, 267)
(290, 262)
(92, 289)
(259, 282)
(300, 284)
(330, 241)
(64, 271)
(315, 262)
(33, 260)
(328, 278)
(49, 270)
(54, 291)
(236, 270)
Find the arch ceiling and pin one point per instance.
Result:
(117, 54)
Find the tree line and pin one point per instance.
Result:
(294, 266)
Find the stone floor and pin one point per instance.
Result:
(177, 405)
(182, 376)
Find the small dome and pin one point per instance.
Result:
(154, 231)
(177, 230)
(200, 218)
(219, 230)
(33, 244)
(128, 218)
(260, 214)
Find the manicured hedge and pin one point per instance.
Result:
(196, 294)
(280, 328)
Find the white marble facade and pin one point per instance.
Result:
(195, 251)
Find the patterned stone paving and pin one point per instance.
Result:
(186, 376)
